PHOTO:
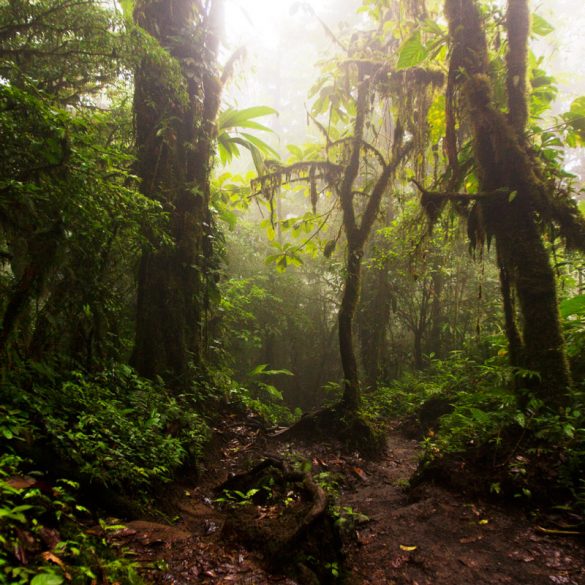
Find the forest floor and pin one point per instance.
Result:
(428, 535)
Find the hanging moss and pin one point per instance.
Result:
(518, 197)
(518, 25)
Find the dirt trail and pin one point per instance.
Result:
(425, 536)
(458, 540)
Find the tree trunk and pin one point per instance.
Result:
(42, 251)
(175, 107)
(505, 165)
(435, 342)
(419, 362)
(351, 394)
(515, 345)
(373, 322)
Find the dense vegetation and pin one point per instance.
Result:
(421, 259)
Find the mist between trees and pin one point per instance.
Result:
(185, 232)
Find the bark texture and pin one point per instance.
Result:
(507, 171)
(357, 231)
(175, 105)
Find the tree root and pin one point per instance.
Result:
(285, 515)
(334, 422)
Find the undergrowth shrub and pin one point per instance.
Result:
(112, 428)
(262, 398)
(44, 538)
(517, 447)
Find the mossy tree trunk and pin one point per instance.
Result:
(435, 344)
(351, 394)
(175, 105)
(373, 321)
(351, 287)
(508, 172)
(357, 231)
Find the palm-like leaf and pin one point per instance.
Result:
(231, 137)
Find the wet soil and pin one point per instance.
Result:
(429, 535)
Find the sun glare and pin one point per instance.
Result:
(256, 21)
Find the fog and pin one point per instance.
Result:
(284, 43)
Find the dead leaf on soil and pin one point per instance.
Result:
(399, 561)
(470, 539)
(475, 511)
(557, 532)
(364, 540)
(521, 556)
(561, 580)
(407, 548)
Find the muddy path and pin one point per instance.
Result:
(428, 535)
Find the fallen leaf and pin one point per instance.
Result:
(470, 539)
(21, 483)
(407, 548)
(49, 556)
(360, 473)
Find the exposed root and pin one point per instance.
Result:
(338, 424)
(285, 515)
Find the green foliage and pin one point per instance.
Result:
(540, 26)
(44, 542)
(412, 52)
(266, 399)
(519, 448)
(71, 49)
(237, 497)
(66, 191)
(572, 311)
(575, 120)
(127, 7)
(231, 196)
(348, 519)
(114, 428)
(231, 124)
(43, 534)
(268, 405)
(266, 317)
(240, 300)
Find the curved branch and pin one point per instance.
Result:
(400, 153)
(352, 168)
(365, 145)
(460, 197)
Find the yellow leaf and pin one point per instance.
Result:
(407, 548)
(484, 522)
